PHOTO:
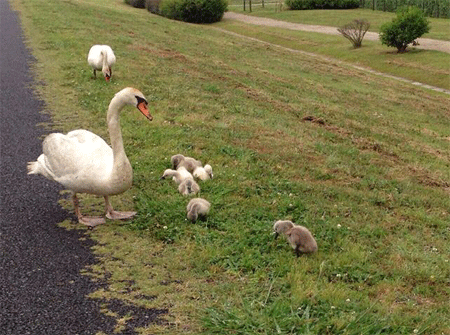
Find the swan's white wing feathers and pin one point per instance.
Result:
(78, 158)
(95, 59)
(110, 53)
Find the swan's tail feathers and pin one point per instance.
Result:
(33, 167)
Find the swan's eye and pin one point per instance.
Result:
(141, 100)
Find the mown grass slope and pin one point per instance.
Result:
(362, 161)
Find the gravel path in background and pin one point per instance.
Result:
(424, 43)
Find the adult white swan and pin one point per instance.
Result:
(84, 163)
(101, 57)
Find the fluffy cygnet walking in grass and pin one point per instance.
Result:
(197, 208)
(188, 187)
(178, 175)
(187, 162)
(203, 172)
(299, 237)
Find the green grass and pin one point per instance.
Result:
(369, 176)
(428, 67)
(440, 28)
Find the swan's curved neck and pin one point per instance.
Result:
(115, 133)
(105, 59)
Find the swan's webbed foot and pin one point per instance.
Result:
(113, 215)
(91, 221)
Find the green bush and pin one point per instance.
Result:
(321, 4)
(195, 11)
(136, 3)
(152, 5)
(409, 24)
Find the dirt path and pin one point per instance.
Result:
(424, 43)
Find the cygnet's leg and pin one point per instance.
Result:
(95, 75)
(113, 215)
(297, 251)
(90, 221)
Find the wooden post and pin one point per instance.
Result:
(262, 3)
(250, 5)
(244, 5)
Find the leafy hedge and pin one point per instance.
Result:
(432, 8)
(152, 6)
(321, 4)
(195, 11)
(136, 3)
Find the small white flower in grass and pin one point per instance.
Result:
(416, 331)
(339, 225)
(348, 300)
(165, 227)
(434, 249)
(338, 275)
(333, 307)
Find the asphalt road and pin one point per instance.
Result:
(41, 289)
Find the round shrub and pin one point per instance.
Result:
(409, 24)
(321, 4)
(152, 6)
(195, 11)
(136, 3)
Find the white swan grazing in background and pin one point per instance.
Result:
(101, 57)
(84, 163)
